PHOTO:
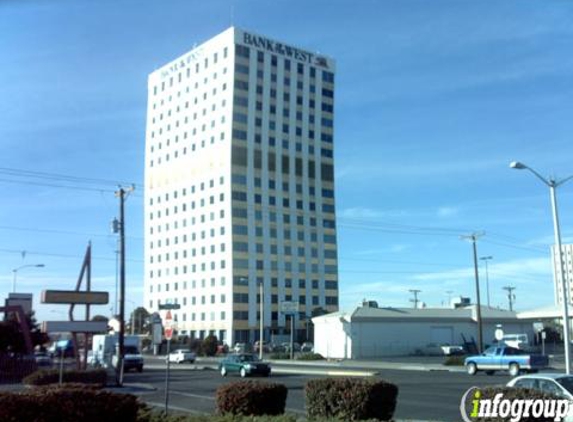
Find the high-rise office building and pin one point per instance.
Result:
(567, 259)
(239, 188)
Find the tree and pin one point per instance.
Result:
(140, 320)
(12, 338)
(100, 318)
(210, 346)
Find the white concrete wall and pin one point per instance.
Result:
(331, 340)
(341, 340)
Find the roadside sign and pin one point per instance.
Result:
(289, 307)
(168, 333)
(74, 326)
(167, 306)
(155, 318)
(498, 334)
(76, 297)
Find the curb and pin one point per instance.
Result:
(333, 373)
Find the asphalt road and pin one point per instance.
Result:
(423, 395)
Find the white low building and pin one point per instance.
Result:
(370, 332)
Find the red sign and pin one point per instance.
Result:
(168, 333)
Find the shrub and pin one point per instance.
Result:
(509, 394)
(310, 356)
(209, 346)
(195, 345)
(52, 376)
(350, 399)
(455, 361)
(251, 398)
(280, 355)
(65, 404)
(154, 415)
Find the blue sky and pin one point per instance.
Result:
(433, 100)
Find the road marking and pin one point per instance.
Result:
(179, 409)
(197, 396)
(300, 412)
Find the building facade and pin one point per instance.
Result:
(567, 259)
(371, 332)
(239, 187)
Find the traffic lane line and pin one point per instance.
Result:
(210, 398)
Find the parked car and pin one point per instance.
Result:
(266, 347)
(43, 359)
(244, 364)
(182, 356)
(242, 348)
(452, 350)
(505, 359)
(307, 347)
(517, 341)
(560, 385)
(286, 346)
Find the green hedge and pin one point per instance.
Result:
(310, 356)
(350, 399)
(510, 394)
(251, 398)
(455, 360)
(68, 404)
(158, 416)
(52, 376)
(280, 356)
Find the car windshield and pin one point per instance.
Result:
(132, 350)
(248, 358)
(566, 382)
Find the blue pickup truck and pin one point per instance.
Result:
(505, 359)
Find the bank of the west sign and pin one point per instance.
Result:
(283, 49)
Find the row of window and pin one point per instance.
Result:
(243, 264)
(245, 52)
(192, 101)
(243, 280)
(203, 235)
(285, 164)
(287, 266)
(199, 187)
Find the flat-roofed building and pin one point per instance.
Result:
(239, 187)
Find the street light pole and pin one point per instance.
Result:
(485, 259)
(15, 273)
(553, 184)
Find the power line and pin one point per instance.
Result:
(52, 185)
(57, 176)
(67, 256)
(67, 232)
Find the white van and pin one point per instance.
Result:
(518, 341)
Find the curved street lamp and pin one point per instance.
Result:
(15, 273)
(485, 259)
(553, 184)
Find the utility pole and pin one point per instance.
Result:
(121, 194)
(474, 237)
(415, 300)
(510, 296)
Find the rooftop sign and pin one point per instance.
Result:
(284, 50)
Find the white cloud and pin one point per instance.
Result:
(444, 212)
